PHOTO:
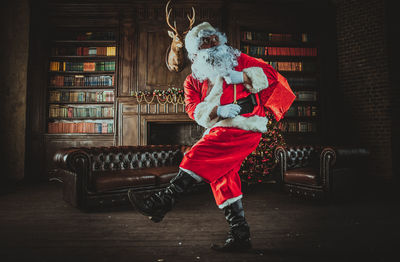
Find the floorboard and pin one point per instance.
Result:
(37, 225)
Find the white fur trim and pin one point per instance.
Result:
(192, 174)
(259, 80)
(191, 41)
(203, 110)
(254, 123)
(202, 114)
(230, 201)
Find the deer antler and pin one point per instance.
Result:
(167, 14)
(191, 21)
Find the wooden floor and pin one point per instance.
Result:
(37, 225)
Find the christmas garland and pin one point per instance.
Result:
(171, 95)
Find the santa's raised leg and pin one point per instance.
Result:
(228, 93)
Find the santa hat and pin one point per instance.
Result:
(192, 39)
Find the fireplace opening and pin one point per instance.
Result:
(173, 133)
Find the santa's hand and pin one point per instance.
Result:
(234, 77)
(228, 111)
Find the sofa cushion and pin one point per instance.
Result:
(305, 176)
(119, 179)
(164, 174)
(105, 180)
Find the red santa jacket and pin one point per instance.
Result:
(272, 89)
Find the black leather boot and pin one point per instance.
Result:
(158, 204)
(239, 234)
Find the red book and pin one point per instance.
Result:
(89, 66)
(70, 112)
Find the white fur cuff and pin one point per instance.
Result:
(230, 201)
(202, 114)
(203, 110)
(259, 80)
(253, 123)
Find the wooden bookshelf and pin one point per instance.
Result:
(296, 57)
(81, 88)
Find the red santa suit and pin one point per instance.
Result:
(218, 155)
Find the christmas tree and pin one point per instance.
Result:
(259, 165)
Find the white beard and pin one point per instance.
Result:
(215, 61)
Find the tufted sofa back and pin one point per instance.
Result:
(302, 156)
(121, 158)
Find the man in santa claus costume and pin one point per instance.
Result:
(228, 93)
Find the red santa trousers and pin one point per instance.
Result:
(217, 158)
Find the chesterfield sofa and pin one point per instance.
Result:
(101, 176)
(321, 172)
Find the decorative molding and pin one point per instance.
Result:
(134, 116)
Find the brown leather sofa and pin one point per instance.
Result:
(101, 176)
(320, 172)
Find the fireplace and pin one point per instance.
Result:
(173, 133)
(151, 124)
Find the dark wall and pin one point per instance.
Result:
(392, 21)
(363, 74)
(14, 25)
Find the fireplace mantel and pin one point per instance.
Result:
(133, 118)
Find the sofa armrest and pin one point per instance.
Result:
(75, 161)
(281, 156)
(67, 158)
(340, 158)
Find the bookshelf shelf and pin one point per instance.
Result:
(296, 57)
(278, 43)
(86, 57)
(81, 103)
(82, 82)
(81, 72)
(82, 42)
(287, 58)
(83, 88)
(62, 135)
(80, 118)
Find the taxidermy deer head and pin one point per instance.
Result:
(175, 56)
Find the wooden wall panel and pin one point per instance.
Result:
(157, 72)
(127, 61)
(152, 71)
(129, 127)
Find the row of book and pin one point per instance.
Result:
(84, 51)
(302, 111)
(302, 81)
(56, 111)
(296, 126)
(274, 37)
(293, 66)
(306, 95)
(279, 51)
(82, 66)
(77, 96)
(88, 35)
(91, 127)
(81, 80)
